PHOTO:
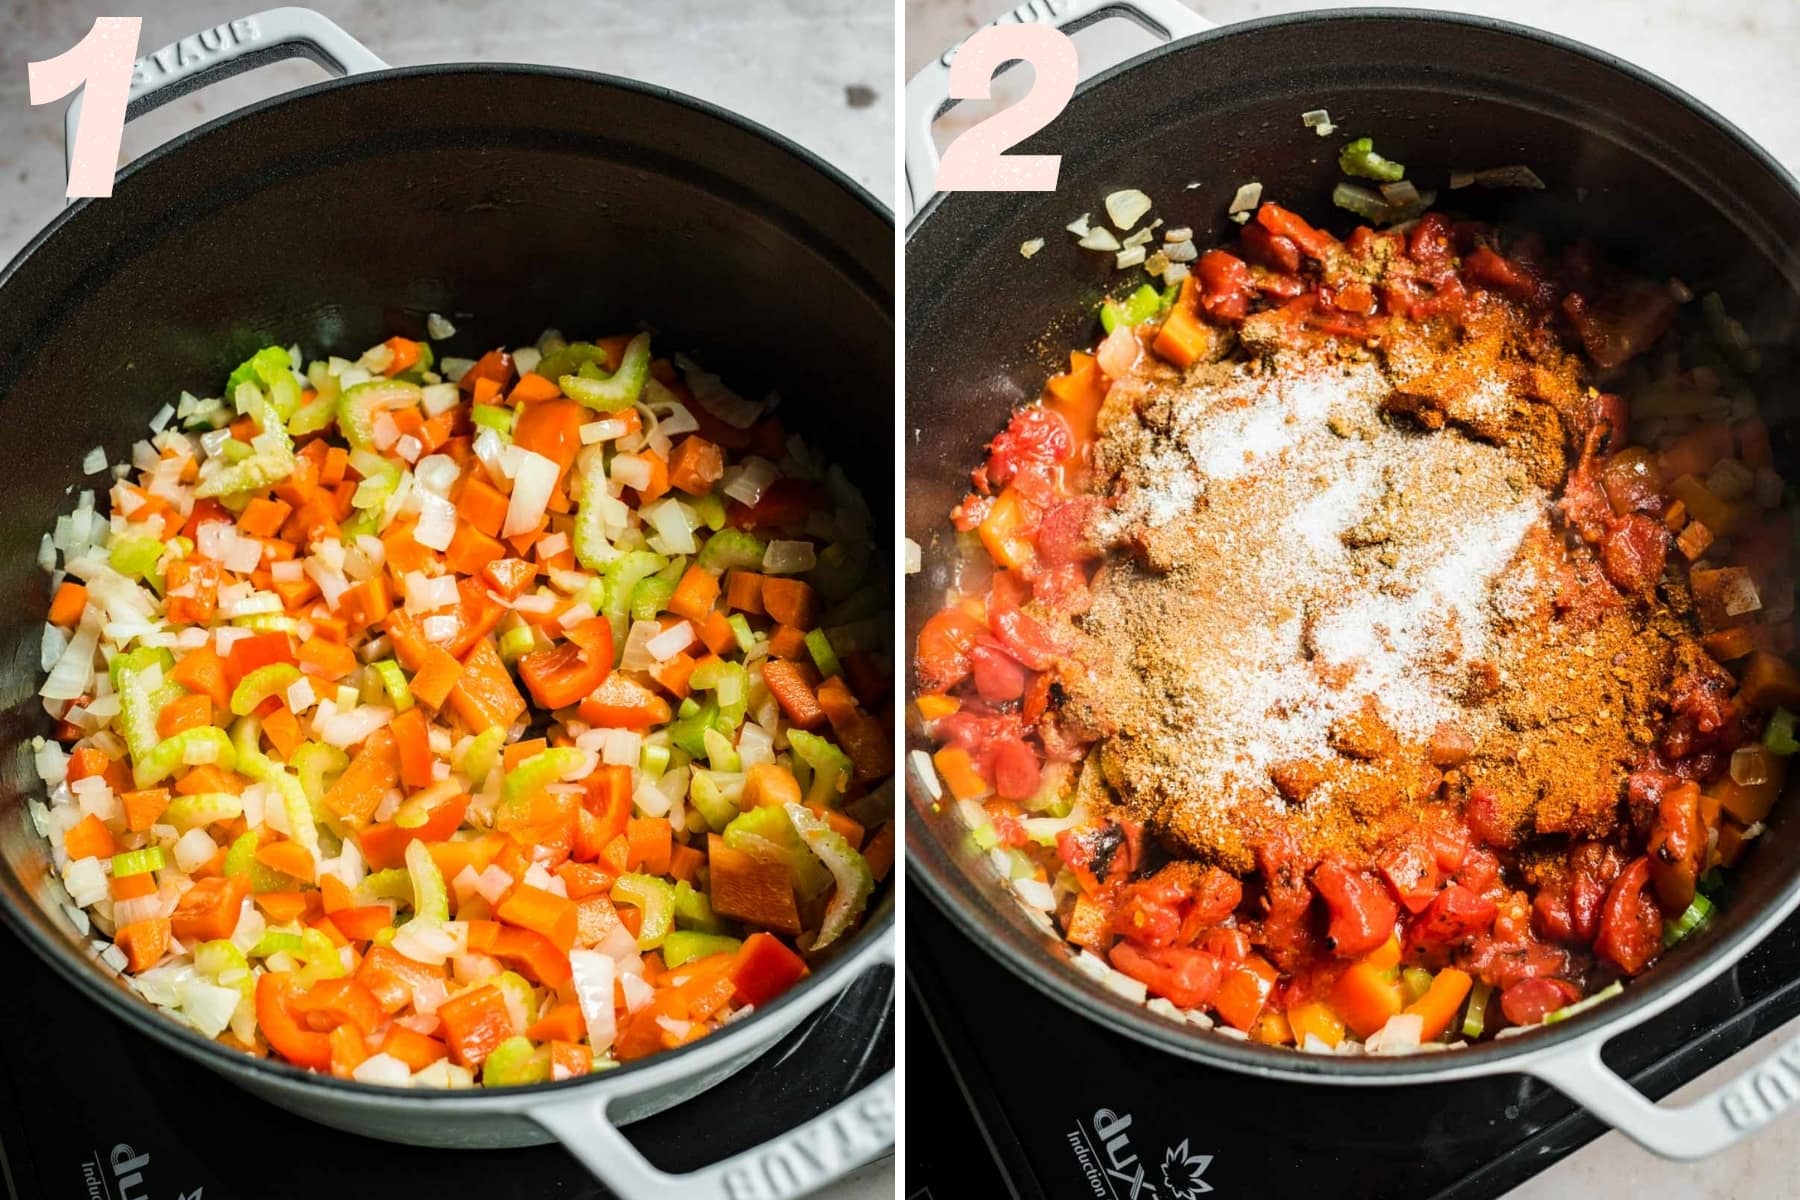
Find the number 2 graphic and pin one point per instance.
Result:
(975, 161)
(100, 66)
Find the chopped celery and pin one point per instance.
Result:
(313, 761)
(516, 1063)
(265, 367)
(393, 682)
(694, 911)
(241, 859)
(260, 470)
(721, 755)
(1414, 982)
(276, 941)
(1358, 158)
(222, 962)
(689, 730)
(430, 898)
(732, 548)
(481, 755)
(823, 656)
(566, 360)
(855, 881)
(654, 899)
(733, 694)
(740, 629)
(521, 1001)
(651, 596)
(139, 659)
(1132, 311)
(202, 809)
(653, 760)
(320, 956)
(683, 946)
(516, 643)
(1606, 993)
(1696, 914)
(714, 807)
(494, 417)
(768, 833)
(618, 391)
(134, 556)
(315, 414)
(137, 714)
(358, 406)
(831, 767)
(710, 508)
(271, 680)
(622, 575)
(525, 781)
(1779, 736)
(392, 883)
(137, 862)
(1475, 1020)
(592, 550)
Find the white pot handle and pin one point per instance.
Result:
(928, 92)
(229, 49)
(858, 1130)
(1688, 1132)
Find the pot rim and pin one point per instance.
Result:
(736, 1039)
(943, 879)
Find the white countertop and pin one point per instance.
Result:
(819, 71)
(1740, 57)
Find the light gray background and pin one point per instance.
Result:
(819, 71)
(1740, 57)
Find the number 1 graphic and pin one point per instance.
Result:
(100, 65)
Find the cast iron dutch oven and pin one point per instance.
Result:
(512, 197)
(1648, 172)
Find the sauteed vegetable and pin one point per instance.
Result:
(1374, 643)
(442, 723)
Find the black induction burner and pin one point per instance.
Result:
(1050, 1091)
(78, 1087)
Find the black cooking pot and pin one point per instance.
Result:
(508, 198)
(1650, 174)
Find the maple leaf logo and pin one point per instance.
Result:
(1183, 1172)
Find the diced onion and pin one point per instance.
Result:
(1126, 208)
(1248, 196)
(534, 480)
(631, 470)
(671, 641)
(73, 671)
(753, 477)
(194, 849)
(349, 728)
(438, 328)
(384, 1070)
(788, 557)
(593, 973)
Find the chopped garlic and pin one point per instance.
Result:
(1248, 196)
(1031, 247)
(1130, 257)
(1126, 208)
(1100, 238)
(1079, 226)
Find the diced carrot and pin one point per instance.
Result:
(474, 1023)
(790, 601)
(743, 592)
(788, 641)
(335, 896)
(750, 889)
(436, 677)
(326, 660)
(280, 907)
(371, 773)
(405, 354)
(283, 730)
(415, 1049)
(685, 862)
(483, 506)
(131, 887)
(542, 912)
(695, 594)
(1183, 337)
(68, 604)
(532, 388)
(717, 634)
(471, 549)
(290, 858)
(878, 851)
(263, 518)
(791, 684)
(519, 751)
(211, 908)
(144, 943)
(695, 465)
(1077, 395)
(659, 478)
(412, 739)
(142, 808)
(202, 670)
(650, 839)
(88, 838)
(484, 694)
(535, 955)
(509, 576)
(561, 1023)
(337, 461)
(958, 769)
(210, 777)
(1769, 682)
(1315, 1019)
(384, 843)
(673, 674)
